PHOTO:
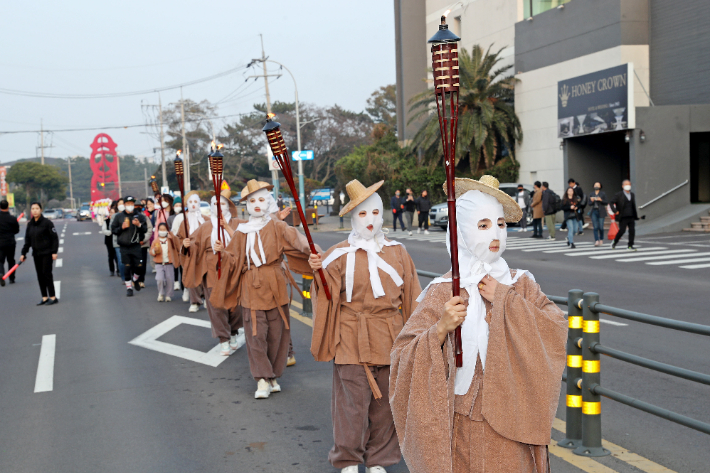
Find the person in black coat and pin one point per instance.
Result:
(598, 202)
(623, 204)
(397, 204)
(130, 227)
(570, 202)
(8, 229)
(423, 207)
(42, 237)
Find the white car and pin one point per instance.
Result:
(205, 209)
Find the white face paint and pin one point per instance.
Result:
(258, 203)
(482, 228)
(225, 207)
(193, 203)
(367, 218)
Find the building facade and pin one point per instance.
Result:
(659, 137)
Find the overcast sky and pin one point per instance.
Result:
(339, 52)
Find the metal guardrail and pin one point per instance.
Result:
(583, 419)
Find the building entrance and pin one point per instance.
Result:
(699, 167)
(598, 158)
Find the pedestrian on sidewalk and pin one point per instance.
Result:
(397, 204)
(537, 210)
(145, 246)
(523, 201)
(374, 285)
(130, 228)
(120, 207)
(409, 207)
(162, 250)
(108, 240)
(582, 198)
(42, 237)
(423, 206)
(549, 206)
(569, 205)
(598, 202)
(623, 204)
(9, 227)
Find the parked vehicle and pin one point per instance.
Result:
(84, 212)
(51, 214)
(60, 213)
(205, 209)
(512, 190)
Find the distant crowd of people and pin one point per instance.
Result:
(407, 206)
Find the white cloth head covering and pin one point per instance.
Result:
(372, 242)
(257, 221)
(226, 214)
(476, 261)
(194, 214)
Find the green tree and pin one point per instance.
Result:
(382, 106)
(39, 182)
(488, 127)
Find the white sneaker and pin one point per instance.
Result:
(167, 299)
(233, 342)
(586, 225)
(225, 350)
(154, 270)
(263, 389)
(349, 469)
(426, 232)
(410, 233)
(176, 286)
(204, 302)
(161, 298)
(194, 308)
(375, 469)
(275, 388)
(185, 295)
(419, 230)
(520, 230)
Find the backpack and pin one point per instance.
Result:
(555, 201)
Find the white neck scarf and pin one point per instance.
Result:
(476, 261)
(226, 215)
(371, 241)
(264, 201)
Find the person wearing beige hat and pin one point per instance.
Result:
(493, 414)
(374, 284)
(253, 278)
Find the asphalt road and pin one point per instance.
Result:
(117, 407)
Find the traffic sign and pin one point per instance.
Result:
(273, 164)
(305, 155)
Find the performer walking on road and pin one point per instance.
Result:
(42, 237)
(493, 414)
(9, 227)
(194, 220)
(373, 283)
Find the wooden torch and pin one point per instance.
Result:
(156, 191)
(278, 147)
(180, 176)
(216, 161)
(445, 66)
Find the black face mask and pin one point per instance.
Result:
(597, 188)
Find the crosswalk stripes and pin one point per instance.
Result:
(643, 257)
(680, 261)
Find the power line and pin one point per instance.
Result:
(118, 94)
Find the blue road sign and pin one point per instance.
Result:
(305, 155)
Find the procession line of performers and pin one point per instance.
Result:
(396, 388)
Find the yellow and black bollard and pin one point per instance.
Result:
(573, 436)
(306, 295)
(591, 406)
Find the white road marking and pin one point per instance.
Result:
(680, 261)
(696, 266)
(44, 382)
(641, 252)
(555, 248)
(150, 341)
(61, 242)
(58, 263)
(82, 233)
(652, 258)
(22, 238)
(57, 289)
(61, 249)
(614, 253)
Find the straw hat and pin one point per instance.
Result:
(358, 193)
(489, 185)
(253, 186)
(225, 190)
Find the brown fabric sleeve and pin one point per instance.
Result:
(326, 314)
(526, 357)
(296, 248)
(174, 245)
(192, 264)
(421, 387)
(225, 292)
(411, 287)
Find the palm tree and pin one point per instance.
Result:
(487, 118)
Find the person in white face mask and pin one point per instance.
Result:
(163, 251)
(194, 219)
(495, 413)
(374, 284)
(199, 268)
(252, 277)
(623, 204)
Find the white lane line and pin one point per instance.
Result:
(57, 289)
(587, 251)
(696, 266)
(58, 263)
(61, 249)
(640, 253)
(61, 242)
(536, 244)
(652, 258)
(82, 233)
(680, 261)
(150, 341)
(22, 238)
(44, 382)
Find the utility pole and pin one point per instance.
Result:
(71, 189)
(118, 169)
(162, 143)
(185, 145)
(145, 177)
(274, 174)
(41, 139)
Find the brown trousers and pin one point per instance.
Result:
(268, 350)
(196, 294)
(225, 323)
(363, 428)
(480, 449)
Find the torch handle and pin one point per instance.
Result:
(181, 185)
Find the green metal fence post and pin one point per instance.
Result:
(306, 295)
(591, 405)
(573, 436)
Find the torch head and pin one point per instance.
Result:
(274, 136)
(179, 167)
(154, 185)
